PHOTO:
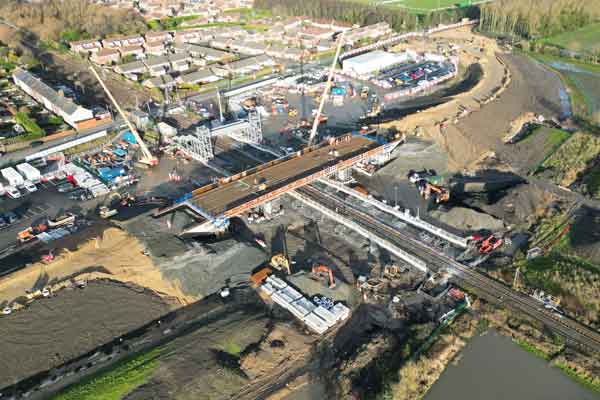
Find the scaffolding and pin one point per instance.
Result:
(197, 145)
(250, 132)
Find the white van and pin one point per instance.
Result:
(12, 192)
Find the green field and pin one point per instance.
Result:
(586, 39)
(430, 5)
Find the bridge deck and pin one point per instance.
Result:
(227, 196)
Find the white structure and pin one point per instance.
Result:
(12, 177)
(50, 99)
(369, 63)
(29, 172)
(197, 145)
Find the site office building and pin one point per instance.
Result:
(76, 116)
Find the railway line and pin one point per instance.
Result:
(573, 332)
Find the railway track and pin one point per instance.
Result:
(573, 332)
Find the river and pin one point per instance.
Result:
(494, 368)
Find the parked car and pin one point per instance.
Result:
(30, 186)
(10, 217)
(65, 188)
(12, 192)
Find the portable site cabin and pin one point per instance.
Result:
(30, 172)
(12, 177)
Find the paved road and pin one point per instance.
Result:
(574, 332)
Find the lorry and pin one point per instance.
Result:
(12, 177)
(29, 172)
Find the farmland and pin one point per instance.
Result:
(586, 39)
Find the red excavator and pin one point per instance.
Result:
(486, 245)
(319, 270)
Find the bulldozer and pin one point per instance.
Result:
(281, 263)
(319, 271)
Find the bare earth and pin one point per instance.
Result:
(120, 256)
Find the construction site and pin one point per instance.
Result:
(280, 239)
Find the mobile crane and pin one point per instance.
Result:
(147, 157)
(317, 119)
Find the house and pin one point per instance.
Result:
(191, 36)
(136, 51)
(160, 82)
(106, 56)
(249, 48)
(325, 45)
(155, 48)
(317, 33)
(332, 24)
(111, 43)
(180, 62)
(246, 66)
(73, 114)
(85, 46)
(265, 61)
(157, 62)
(220, 42)
(134, 40)
(136, 67)
(154, 37)
(200, 76)
(295, 54)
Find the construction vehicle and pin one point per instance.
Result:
(147, 158)
(490, 244)
(29, 234)
(429, 190)
(106, 212)
(321, 270)
(281, 263)
(317, 120)
(292, 112)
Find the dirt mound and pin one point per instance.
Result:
(283, 344)
(120, 255)
(467, 219)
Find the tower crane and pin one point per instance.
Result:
(313, 132)
(147, 157)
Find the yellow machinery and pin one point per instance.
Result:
(280, 262)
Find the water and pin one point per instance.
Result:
(495, 368)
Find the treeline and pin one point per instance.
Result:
(534, 19)
(364, 14)
(52, 20)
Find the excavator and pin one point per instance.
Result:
(429, 190)
(319, 270)
(281, 262)
(146, 157)
(486, 245)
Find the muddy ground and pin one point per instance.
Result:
(55, 330)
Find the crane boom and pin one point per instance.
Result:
(147, 157)
(313, 132)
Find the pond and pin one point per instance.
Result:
(493, 367)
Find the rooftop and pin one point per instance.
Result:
(45, 91)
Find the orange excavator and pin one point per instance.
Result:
(429, 190)
(319, 270)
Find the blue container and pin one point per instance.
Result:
(129, 138)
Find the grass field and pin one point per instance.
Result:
(429, 5)
(586, 39)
